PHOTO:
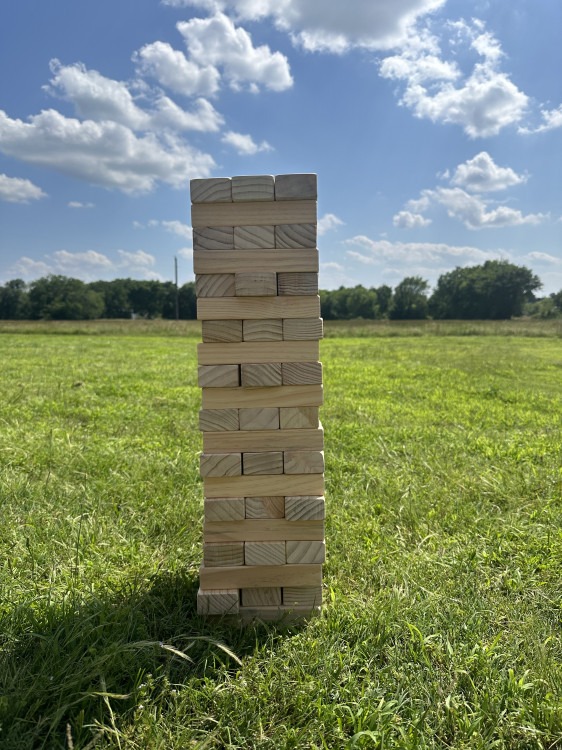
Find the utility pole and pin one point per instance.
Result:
(177, 288)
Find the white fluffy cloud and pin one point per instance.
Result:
(375, 252)
(172, 69)
(79, 204)
(551, 119)
(244, 143)
(328, 222)
(481, 175)
(409, 220)
(88, 265)
(18, 190)
(476, 213)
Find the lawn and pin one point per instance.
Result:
(443, 586)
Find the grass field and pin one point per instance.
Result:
(443, 619)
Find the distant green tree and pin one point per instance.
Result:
(14, 302)
(62, 298)
(147, 298)
(384, 300)
(115, 296)
(188, 301)
(409, 301)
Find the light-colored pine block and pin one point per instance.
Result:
(218, 376)
(224, 509)
(255, 308)
(223, 554)
(260, 375)
(221, 331)
(303, 462)
(264, 596)
(263, 530)
(268, 462)
(301, 507)
(302, 596)
(251, 576)
(259, 508)
(290, 187)
(215, 285)
(303, 329)
(261, 418)
(253, 213)
(298, 417)
(310, 552)
(255, 441)
(213, 238)
(263, 330)
(211, 190)
(278, 484)
(220, 464)
(255, 284)
(253, 188)
(301, 373)
(248, 237)
(259, 352)
(296, 284)
(264, 553)
(287, 261)
(291, 395)
(218, 602)
(295, 235)
(218, 420)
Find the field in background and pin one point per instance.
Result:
(444, 490)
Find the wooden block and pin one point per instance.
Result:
(252, 237)
(215, 285)
(218, 602)
(223, 554)
(295, 235)
(290, 187)
(268, 462)
(213, 238)
(302, 596)
(278, 484)
(263, 530)
(226, 509)
(211, 190)
(296, 284)
(221, 331)
(267, 596)
(311, 507)
(255, 284)
(255, 441)
(261, 418)
(254, 308)
(253, 188)
(251, 576)
(303, 462)
(259, 353)
(265, 553)
(218, 420)
(280, 615)
(291, 395)
(218, 376)
(299, 553)
(298, 417)
(301, 373)
(263, 330)
(303, 329)
(283, 261)
(265, 507)
(260, 375)
(220, 464)
(253, 213)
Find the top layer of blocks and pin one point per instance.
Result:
(282, 187)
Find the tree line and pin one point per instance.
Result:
(495, 290)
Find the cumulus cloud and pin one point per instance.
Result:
(79, 204)
(375, 252)
(551, 119)
(244, 144)
(409, 220)
(19, 190)
(29, 268)
(481, 174)
(172, 69)
(540, 257)
(328, 222)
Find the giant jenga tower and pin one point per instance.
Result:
(256, 265)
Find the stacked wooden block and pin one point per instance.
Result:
(256, 265)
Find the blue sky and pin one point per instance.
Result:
(435, 127)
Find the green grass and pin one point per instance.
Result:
(442, 624)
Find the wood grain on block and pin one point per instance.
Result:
(254, 308)
(284, 261)
(295, 284)
(253, 188)
(261, 596)
(289, 187)
(310, 552)
(302, 596)
(260, 375)
(218, 602)
(224, 509)
(255, 284)
(262, 213)
(254, 237)
(281, 615)
(213, 238)
(260, 418)
(298, 417)
(259, 352)
(263, 330)
(305, 507)
(301, 373)
(303, 329)
(277, 484)
(211, 190)
(263, 530)
(295, 235)
(220, 464)
(249, 576)
(215, 285)
(258, 508)
(264, 553)
(303, 462)
(223, 554)
(268, 462)
(218, 420)
(291, 395)
(218, 376)
(221, 331)
(255, 441)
